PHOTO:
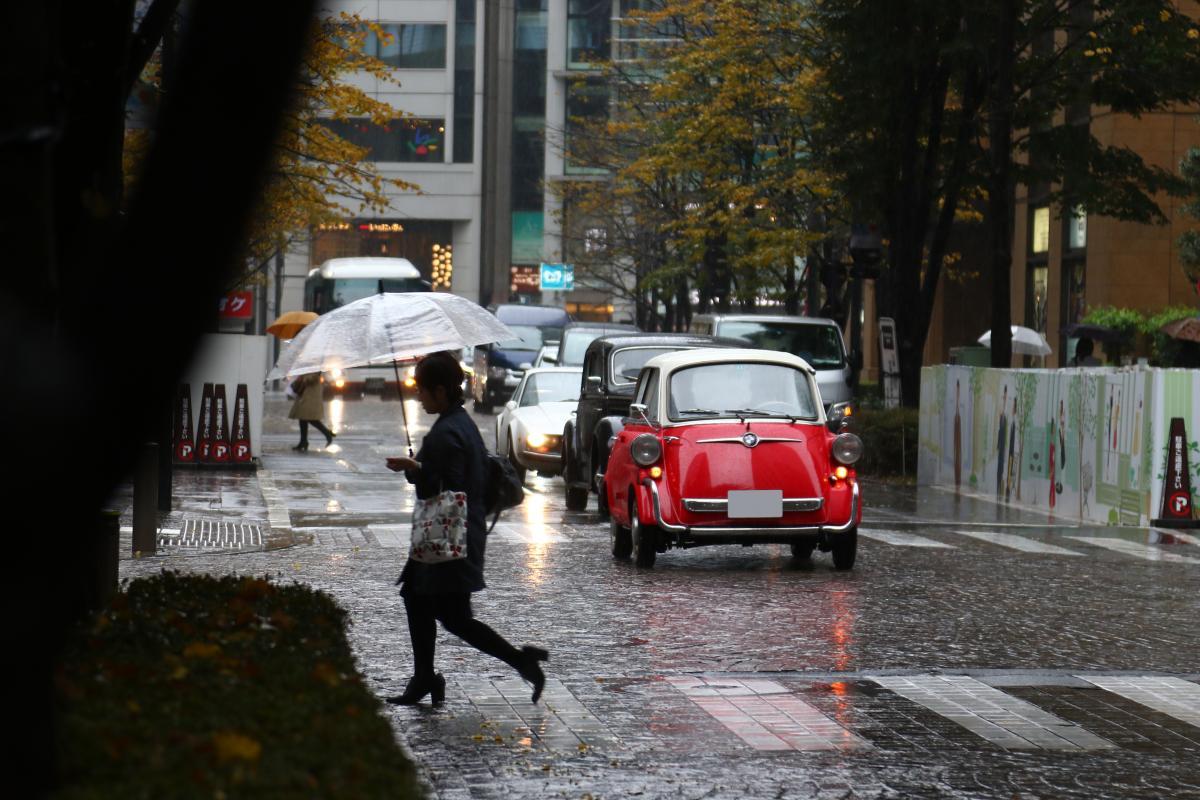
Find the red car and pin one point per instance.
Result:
(728, 446)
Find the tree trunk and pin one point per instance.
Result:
(1001, 190)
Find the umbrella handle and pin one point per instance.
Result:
(403, 413)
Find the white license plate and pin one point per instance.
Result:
(755, 504)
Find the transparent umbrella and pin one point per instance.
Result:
(1025, 342)
(389, 327)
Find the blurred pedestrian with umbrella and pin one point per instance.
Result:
(309, 408)
(290, 323)
(1083, 353)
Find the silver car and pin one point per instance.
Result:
(529, 429)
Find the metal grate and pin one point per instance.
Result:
(208, 534)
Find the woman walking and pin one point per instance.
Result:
(452, 457)
(309, 408)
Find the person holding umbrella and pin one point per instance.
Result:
(452, 457)
(309, 407)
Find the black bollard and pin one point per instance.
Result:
(145, 500)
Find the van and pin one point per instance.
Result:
(815, 339)
(499, 367)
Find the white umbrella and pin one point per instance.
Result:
(1025, 342)
(389, 327)
(386, 328)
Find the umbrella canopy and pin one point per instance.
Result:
(290, 323)
(1097, 333)
(1187, 329)
(388, 327)
(1025, 342)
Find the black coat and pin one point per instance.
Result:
(452, 456)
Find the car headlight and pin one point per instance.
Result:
(335, 373)
(645, 449)
(847, 448)
(537, 439)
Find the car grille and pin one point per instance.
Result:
(790, 504)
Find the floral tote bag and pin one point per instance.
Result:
(439, 531)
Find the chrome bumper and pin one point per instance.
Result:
(698, 533)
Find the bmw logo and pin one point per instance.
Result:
(750, 439)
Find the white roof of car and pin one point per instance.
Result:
(368, 267)
(539, 370)
(772, 318)
(669, 362)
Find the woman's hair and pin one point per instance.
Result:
(441, 369)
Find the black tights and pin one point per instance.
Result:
(316, 423)
(454, 612)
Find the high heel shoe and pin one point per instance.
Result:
(329, 439)
(301, 447)
(531, 670)
(417, 688)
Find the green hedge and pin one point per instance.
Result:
(194, 686)
(889, 441)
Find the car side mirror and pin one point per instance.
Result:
(640, 409)
(510, 405)
(838, 418)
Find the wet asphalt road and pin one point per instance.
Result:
(972, 652)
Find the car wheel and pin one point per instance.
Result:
(622, 540)
(645, 540)
(512, 459)
(845, 549)
(803, 549)
(577, 498)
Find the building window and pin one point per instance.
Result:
(1039, 239)
(464, 81)
(1035, 305)
(410, 46)
(406, 140)
(1077, 229)
(589, 32)
(587, 109)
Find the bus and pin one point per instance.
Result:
(343, 280)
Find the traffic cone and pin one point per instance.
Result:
(220, 429)
(241, 426)
(185, 446)
(204, 425)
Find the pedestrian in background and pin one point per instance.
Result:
(1083, 353)
(309, 407)
(452, 457)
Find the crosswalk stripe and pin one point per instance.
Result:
(1021, 543)
(766, 716)
(1136, 550)
(1001, 719)
(903, 539)
(1172, 696)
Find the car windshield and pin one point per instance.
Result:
(529, 338)
(574, 345)
(626, 364)
(740, 389)
(550, 387)
(819, 345)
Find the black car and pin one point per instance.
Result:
(610, 371)
(578, 335)
(498, 368)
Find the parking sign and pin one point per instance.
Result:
(557, 277)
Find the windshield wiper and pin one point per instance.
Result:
(742, 413)
(702, 411)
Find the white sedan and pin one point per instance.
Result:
(529, 429)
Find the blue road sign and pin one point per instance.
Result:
(557, 278)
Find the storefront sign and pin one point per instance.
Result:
(237, 305)
(524, 280)
(889, 362)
